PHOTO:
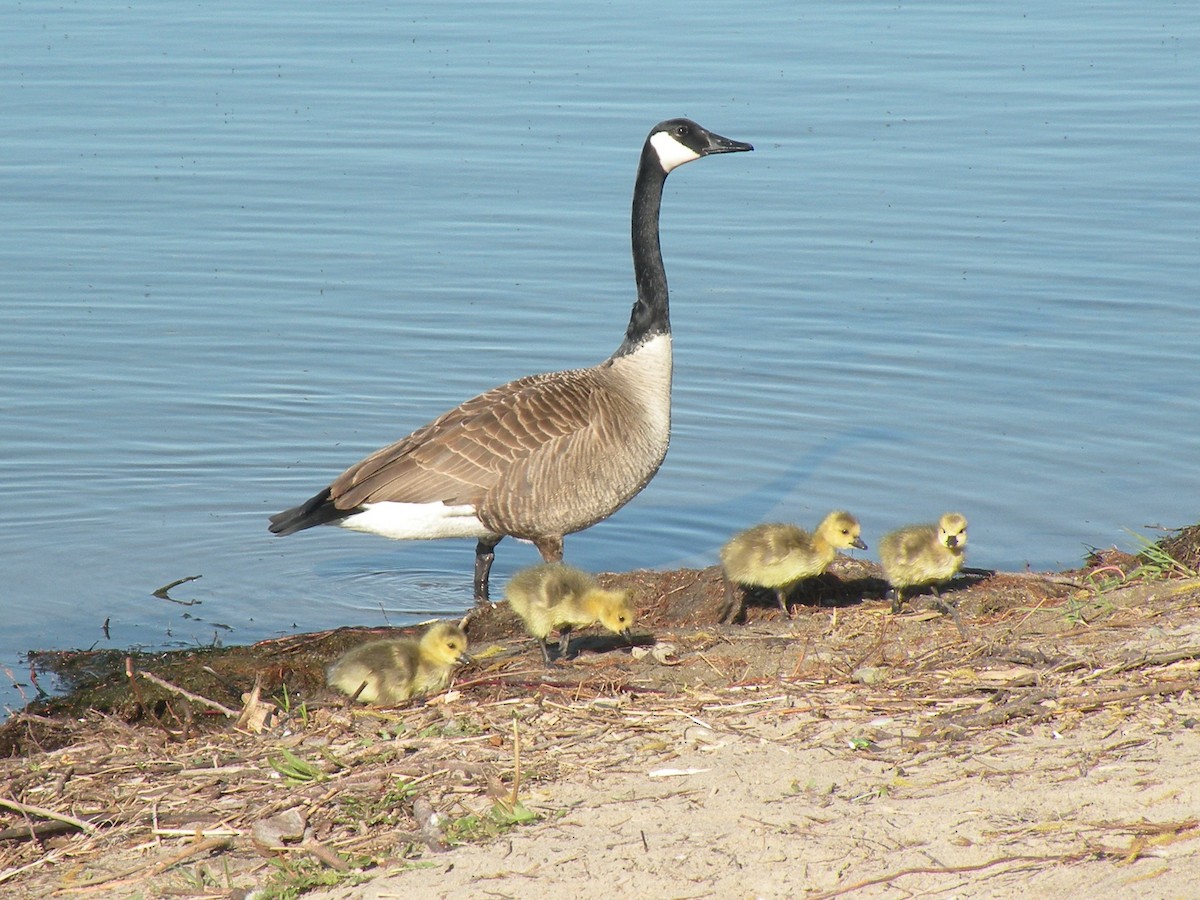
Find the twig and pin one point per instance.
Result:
(516, 786)
(1163, 687)
(106, 882)
(1155, 659)
(162, 592)
(195, 698)
(52, 857)
(44, 813)
(948, 870)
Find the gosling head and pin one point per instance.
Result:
(616, 611)
(952, 531)
(446, 644)
(678, 141)
(841, 530)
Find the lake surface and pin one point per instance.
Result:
(243, 245)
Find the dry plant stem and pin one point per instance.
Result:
(516, 786)
(26, 809)
(325, 855)
(137, 693)
(195, 698)
(1163, 687)
(50, 858)
(947, 870)
(108, 882)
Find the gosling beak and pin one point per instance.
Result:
(627, 634)
(860, 544)
(464, 658)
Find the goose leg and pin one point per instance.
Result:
(485, 552)
(551, 548)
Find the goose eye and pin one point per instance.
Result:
(682, 130)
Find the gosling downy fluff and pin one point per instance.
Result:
(779, 556)
(392, 671)
(557, 596)
(919, 555)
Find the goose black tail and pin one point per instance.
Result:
(318, 510)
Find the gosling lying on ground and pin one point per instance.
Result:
(393, 671)
(919, 555)
(780, 556)
(556, 596)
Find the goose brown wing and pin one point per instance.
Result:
(461, 455)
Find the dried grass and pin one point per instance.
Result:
(184, 802)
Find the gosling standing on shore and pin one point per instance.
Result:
(919, 555)
(392, 671)
(557, 596)
(780, 556)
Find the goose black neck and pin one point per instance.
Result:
(651, 313)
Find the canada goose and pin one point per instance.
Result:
(555, 595)
(392, 671)
(918, 555)
(546, 455)
(779, 556)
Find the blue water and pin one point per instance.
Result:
(243, 245)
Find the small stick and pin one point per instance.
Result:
(948, 870)
(195, 698)
(516, 763)
(47, 814)
(162, 592)
(108, 882)
(137, 693)
(1164, 687)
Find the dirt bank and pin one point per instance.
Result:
(1047, 746)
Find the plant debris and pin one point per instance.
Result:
(216, 772)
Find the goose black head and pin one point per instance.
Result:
(679, 141)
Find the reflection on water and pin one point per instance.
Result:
(245, 247)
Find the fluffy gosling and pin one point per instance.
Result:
(919, 555)
(392, 671)
(556, 596)
(780, 556)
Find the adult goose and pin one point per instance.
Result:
(546, 455)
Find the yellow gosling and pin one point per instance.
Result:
(557, 596)
(919, 555)
(780, 556)
(392, 671)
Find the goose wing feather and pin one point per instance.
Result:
(464, 453)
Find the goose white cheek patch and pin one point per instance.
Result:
(670, 152)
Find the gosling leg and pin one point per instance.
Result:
(897, 596)
(732, 608)
(545, 648)
(564, 641)
(781, 596)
